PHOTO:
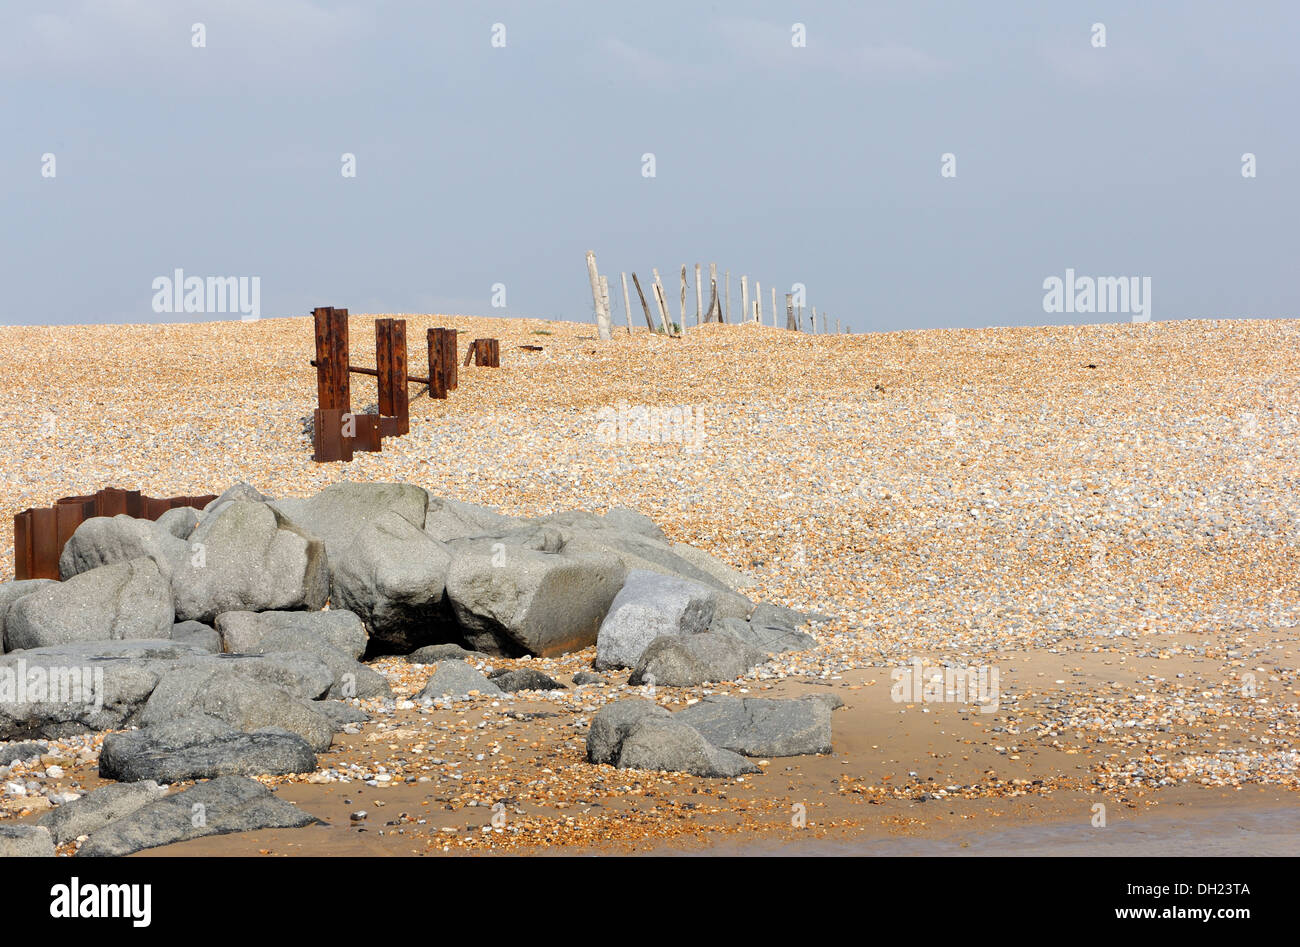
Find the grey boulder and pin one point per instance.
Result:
(339, 628)
(244, 703)
(347, 677)
(393, 575)
(246, 557)
(447, 519)
(201, 747)
(768, 637)
(613, 723)
(298, 672)
(650, 606)
(669, 745)
(525, 679)
(197, 634)
(104, 540)
(179, 521)
(688, 660)
(340, 714)
(128, 599)
(433, 653)
(763, 726)
(72, 688)
(339, 512)
(19, 751)
(514, 600)
(10, 593)
(97, 809)
(456, 679)
(25, 841)
(217, 807)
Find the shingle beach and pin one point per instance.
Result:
(1108, 515)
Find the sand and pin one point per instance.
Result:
(1105, 515)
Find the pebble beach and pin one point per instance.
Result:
(1106, 516)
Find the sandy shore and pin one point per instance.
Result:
(1105, 516)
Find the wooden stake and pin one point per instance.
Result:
(648, 321)
(726, 282)
(699, 296)
(744, 298)
(812, 321)
(758, 302)
(683, 322)
(774, 315)
(661, 299)
(627, 305)
(713, 291)
(604, 299)
(602, 313)
(789, 310)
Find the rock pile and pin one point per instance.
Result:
(229, 635)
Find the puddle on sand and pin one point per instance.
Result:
(1262, 832)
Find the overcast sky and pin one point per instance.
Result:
(478, 165)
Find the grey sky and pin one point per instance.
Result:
(478, 165)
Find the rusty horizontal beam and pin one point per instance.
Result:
(375, 374)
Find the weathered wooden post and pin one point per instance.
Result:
(713, 293)
(682, 324)
(726, 282)
(658, 291)
(602, 316)
(774, 312)
(333, 392)
(390, 368)
(648, 321)
(699, 297)
(627, 305)
(789, 310)
(604, 298)
(758, 302)
(745, 314)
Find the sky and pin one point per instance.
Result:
(482, 167)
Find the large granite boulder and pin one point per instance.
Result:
(342, 630)
(393, 575)
(347, 677)
(764, 726)
(513, 600)
(769, 636)
(669, 745)
(339, 512)
(25, 841)
(689, 660)
(10, 593)
(456, 679)
(124, 600)
(201, 747)
(447, 519)
(613, 723)
(104, 540)
(244, 703)
(216, 807)
(97, 809)
(246, 557)
(650, 606)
